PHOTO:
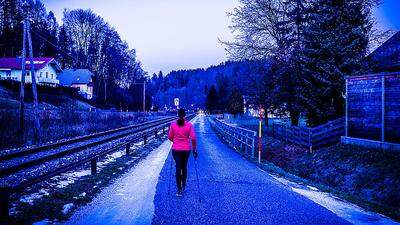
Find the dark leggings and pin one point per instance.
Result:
(181, 159)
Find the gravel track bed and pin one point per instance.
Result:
(35, 171)
(15, 161)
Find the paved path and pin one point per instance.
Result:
(232, 191)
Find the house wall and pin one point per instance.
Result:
(373, 107)
(84, 89)
(40, 75)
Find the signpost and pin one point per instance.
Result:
(261, 113)
(176, 102)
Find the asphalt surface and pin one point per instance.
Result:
(231, 191)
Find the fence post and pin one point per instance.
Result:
(273, 131)
(253, 145)
(241, 145)
(4, 204)
(346, 110)
(383, 110)
(93, 166)
(128, 147)
(309, 139)
(145, 138)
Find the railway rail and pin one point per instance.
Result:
(21, 169)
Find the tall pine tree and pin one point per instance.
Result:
(336, 41)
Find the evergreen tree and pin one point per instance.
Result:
(212, 99)
(51, 32)
(236, 105)
(11, 29)
(336, 42)
(64, 49)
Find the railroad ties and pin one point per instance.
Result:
(73, 152)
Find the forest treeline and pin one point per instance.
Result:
(291, 57)
(84, 40)
(193, 87)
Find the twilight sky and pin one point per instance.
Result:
(180, 34)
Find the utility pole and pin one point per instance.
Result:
(144, 96)
(22, 89)
(259, 134)
(34, 88)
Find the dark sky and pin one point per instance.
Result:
(182, 34)
(388, 15)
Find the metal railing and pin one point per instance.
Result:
(238, 138)
(311, 138)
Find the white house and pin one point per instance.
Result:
(78, 78)
(46, 70)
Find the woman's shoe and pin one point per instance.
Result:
(179, 193)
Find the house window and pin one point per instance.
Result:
(52, 76)
(41, 73)
(47, 74)
(27, 74)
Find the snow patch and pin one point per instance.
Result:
(43, 222)
(67, 208)
(29, 199)
(348, 211)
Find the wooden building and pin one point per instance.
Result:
(373, 100)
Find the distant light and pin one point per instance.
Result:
(35, 62)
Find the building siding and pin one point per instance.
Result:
(364, 102)
(40, 75)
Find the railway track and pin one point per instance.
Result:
(14, 162)
(24, 168)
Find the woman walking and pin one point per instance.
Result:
(181, 133)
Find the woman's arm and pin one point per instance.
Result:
(171, 133)
(193, 139)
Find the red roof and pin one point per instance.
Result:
(15, 63)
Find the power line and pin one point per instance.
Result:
(56, 46)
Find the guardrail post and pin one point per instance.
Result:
(309, 140)
(93, 166)
(252, 146)
(145, 138)
(4, 205)
(272, 129)
(128, 147)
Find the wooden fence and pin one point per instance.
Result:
(311, 138)
(240, 139)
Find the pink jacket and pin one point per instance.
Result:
(181, 136)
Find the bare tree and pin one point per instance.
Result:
(255, 26)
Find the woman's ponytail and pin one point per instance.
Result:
(181, 115)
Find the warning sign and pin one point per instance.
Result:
(176, 102)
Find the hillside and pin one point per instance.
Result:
(49, 97)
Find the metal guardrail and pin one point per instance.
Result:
(240, 139)
(311, 138)
(75, 140)
(6, 192)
